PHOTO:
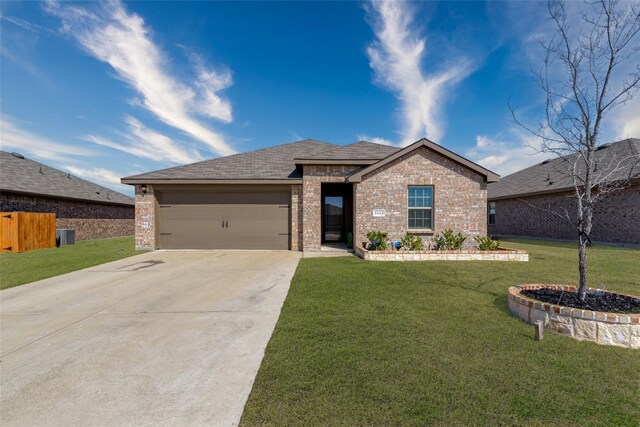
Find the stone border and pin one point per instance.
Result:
(462, 255)
(622, 330)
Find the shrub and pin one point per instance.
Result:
(378, 239)
(487, 243)
(447, 241)
(412, 242)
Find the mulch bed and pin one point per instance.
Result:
(595, 300)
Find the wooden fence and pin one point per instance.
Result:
(26, 231)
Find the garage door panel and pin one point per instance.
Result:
(195, 225)
(241, 228)
(223, 198)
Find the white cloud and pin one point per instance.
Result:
(396, 58)
(25, 25)
(507, 154)
(98, 174)
(121, 39)
(144, 142)
(374, 139)
(14, 138)
(627, 119)
(102, 176)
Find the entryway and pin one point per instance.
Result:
(337, 212)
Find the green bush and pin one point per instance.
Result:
(447, 241)
(379, 240)
(487, 243)
(412, 242)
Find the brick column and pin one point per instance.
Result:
(146, 217)
(311, 214)
(296, 218)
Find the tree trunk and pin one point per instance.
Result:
(582, 267)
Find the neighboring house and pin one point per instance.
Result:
(298, 196)
(92, 210)
(531, 202)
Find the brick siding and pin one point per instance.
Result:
(90, 220)
(459, 197)
(296, 217)
(616, 219)
(97, 228)
(146, 218)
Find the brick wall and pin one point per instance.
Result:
(616, 220)
(459, 197)
(296, 218)
(146, 217)
(313, 177)
(90, 220)
(92, 228)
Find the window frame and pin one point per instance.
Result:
(491, 215)
(430, 209)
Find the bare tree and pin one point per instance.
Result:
(588, 70)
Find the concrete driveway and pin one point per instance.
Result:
(162, 338)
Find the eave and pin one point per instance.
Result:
(152, 181)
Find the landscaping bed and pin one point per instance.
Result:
(604, 327)
(595, 300)
(444, 246)
(501, 254)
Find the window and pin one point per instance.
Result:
(491, 213)
(420, 212)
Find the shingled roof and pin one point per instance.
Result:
(20, 175)
(550, 176)
(362, 150)
(273, 163)
(282, 163)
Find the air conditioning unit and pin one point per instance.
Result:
(65, 236)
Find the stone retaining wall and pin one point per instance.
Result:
(622, 330)
(463, 255)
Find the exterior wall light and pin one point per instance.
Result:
(143, 189)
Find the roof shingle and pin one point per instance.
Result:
(26, 176)
(550, 176)
(272, 163)
(362, 150)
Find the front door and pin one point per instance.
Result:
(334, 219)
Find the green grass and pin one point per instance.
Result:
(20, 268)
(432, 343)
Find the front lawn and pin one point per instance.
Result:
(432, 343)
(20, 268)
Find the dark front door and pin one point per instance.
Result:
(334, 219)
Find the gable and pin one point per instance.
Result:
(423, 166)
(454, 161)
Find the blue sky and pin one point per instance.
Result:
(111, 89)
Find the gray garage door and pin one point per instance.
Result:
(224, 220)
